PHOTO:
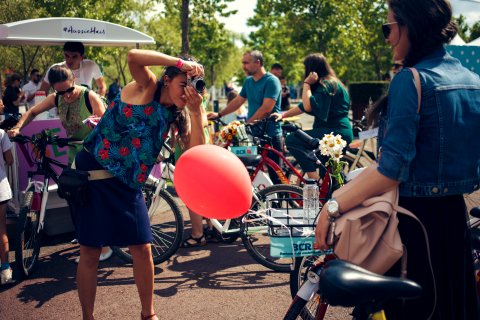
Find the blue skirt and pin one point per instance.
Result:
(113, 215)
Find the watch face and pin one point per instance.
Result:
(332, 207)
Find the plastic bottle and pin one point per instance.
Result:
(310, 204)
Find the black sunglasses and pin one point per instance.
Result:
(69, 90)
(386, 28)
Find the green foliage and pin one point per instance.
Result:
(347, 32)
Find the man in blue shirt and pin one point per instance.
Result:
(263, 92)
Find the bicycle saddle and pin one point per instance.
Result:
(250, 161)
(475, 212)
(348, 285)
(475, 236)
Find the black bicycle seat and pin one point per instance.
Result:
(475, 236)
(475, 212)
(250, 161)
(348, 285)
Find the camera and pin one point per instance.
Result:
(198, 83)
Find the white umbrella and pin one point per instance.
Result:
(457, 41)
(475, 42)
(56, 31)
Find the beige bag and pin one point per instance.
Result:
(368, 234)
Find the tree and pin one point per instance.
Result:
(475, 31)
(185, 15)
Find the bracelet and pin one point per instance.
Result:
(179, 64)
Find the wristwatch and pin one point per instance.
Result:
(332, 208)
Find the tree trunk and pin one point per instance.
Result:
(185, 13)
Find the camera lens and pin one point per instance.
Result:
(199, 85)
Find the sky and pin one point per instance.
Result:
(238, 23)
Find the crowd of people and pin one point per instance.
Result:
(422, 150)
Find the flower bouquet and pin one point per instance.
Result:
(332, 146)
(233, 134)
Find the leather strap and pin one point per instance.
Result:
(96, 174)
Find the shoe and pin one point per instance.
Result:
(103, 256)
(194, 242)
(6, 276)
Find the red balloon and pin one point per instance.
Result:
(213, 182)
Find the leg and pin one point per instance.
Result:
(197, 224)
(143, 274)
(277, 144)
(87, 279)
(4, 248)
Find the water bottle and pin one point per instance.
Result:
(310, 204)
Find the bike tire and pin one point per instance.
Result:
(257, 242)
(297, 277)
(296, 310)
(27, 239)
(166, 223)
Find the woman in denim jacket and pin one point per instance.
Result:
(425, 153)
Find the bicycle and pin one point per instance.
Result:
(31, 215)
(32, 211)
(166, 220)
(340, 283)
(311, 304)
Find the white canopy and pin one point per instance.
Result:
(56, 31)
(457, 41)
(475, 42)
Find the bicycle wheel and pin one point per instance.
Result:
(27, 239)
(297, 277)
(255, 233)
(166, 223)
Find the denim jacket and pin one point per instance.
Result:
(435, 152)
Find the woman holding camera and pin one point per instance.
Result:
(126, 143)
(424, 153)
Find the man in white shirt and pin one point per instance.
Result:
(84, 70)
(31, 87)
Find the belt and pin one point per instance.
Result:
(96, 174)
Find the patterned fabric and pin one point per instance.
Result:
(71, 115)
(128, 139)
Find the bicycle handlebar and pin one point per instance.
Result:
(45, 138)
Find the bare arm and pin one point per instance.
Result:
(8, 156)
(139, 60)
(264, 111)
(198, 118)
(98, 107)
(102, 87)
(231, 107)
(368, 184)
(45, 105)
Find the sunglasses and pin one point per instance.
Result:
(386, 29)
(69, 90)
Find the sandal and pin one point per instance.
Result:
(194, 242)
(148, 317)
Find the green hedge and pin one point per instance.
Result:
(361, 92)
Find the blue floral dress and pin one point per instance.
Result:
(125, 142)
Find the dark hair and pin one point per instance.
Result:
(9, 80)
(33, 71)
(59, 74)
(182, 117)
(256, 55)
(316, 62)
(276, 66)
(74, 47)
(429, 24)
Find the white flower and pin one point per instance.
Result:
(332, 146)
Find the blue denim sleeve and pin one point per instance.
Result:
(398, 145)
